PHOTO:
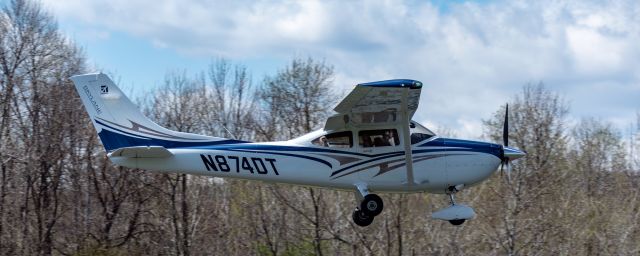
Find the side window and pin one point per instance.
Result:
(335, 140)
(378, 138)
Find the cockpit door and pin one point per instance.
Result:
(378, 141)
(383, 145)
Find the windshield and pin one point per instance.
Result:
(419, 133)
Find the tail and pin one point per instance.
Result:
(120, 124)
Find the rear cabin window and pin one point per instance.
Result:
(335, 140)
(378, 138)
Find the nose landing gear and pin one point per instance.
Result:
(456, 214)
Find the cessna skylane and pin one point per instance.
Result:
(369, 145)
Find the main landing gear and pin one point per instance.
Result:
(456, 214)
(370, 206)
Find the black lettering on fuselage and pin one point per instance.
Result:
(273, 165)
(208, 162)
(246, 165)
(262, 170)
(224, 164)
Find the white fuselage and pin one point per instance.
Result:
(437, 163)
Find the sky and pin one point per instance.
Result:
(472, 56)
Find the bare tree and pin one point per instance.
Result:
(221, 108)
(35, 61)
(576, 192)
(538, 128)
(229, 100)
(297, 99)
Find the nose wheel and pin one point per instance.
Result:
(456, 214)
(456, 222)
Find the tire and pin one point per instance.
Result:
(372, 205)
(362, 219)
(456, 222)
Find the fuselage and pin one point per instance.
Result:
(437, 162)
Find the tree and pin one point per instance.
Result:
(296, 100)
(35, 61)
(537, 126)
(219, 106)
(597, 154)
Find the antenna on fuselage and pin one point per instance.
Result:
(224, 126)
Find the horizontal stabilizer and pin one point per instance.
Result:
(142, 152)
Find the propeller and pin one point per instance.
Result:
(505, 143)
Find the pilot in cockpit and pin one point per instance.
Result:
(366, 142)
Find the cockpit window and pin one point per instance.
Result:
(419, 133)
(335, 140)
(378, 138)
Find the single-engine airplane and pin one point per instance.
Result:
(369, 145)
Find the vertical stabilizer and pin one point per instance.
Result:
(120, 123)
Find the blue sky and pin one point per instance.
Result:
(472, 56)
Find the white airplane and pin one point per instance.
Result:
(369, 145)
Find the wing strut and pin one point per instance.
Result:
(406, 136)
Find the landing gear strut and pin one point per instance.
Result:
(456, 214)
(451, 192)
(370, 206)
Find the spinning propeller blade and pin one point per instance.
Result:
(505, 143)
(505, 128)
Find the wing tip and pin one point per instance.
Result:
(413, 84)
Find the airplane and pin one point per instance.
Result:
(369, 145)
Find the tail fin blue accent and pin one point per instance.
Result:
(120, 124)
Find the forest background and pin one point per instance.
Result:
(576, 192)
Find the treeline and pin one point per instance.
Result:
(576, 192)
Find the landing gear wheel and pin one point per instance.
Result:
(456, 222)
(372, 205)
(361, 218)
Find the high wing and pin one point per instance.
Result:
(383, 103)
(377, 103)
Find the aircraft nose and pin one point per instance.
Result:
(513, 153)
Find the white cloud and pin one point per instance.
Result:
(471, 56)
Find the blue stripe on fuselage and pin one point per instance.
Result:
(114, 140)
(465, 145)
(121, 139)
